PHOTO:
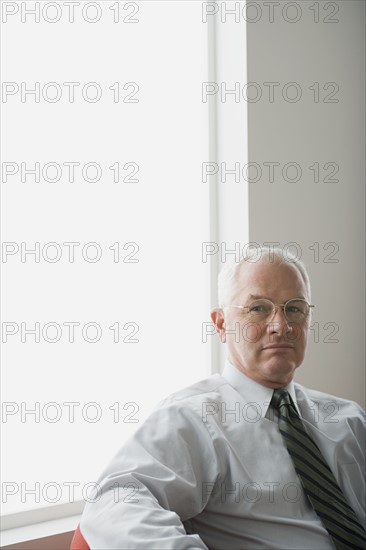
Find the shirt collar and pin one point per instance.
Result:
(251, 391)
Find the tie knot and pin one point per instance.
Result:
(281, 397)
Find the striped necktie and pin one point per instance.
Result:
(317, 479)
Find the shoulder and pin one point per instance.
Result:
(181, 416)
(328, 405)
(211, 389)
(199, 406)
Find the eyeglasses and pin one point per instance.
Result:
(295, 310)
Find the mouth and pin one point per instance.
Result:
(279, 347)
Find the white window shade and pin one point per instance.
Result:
(87, 395)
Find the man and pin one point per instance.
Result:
(213, 466)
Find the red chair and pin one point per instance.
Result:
(78, 542)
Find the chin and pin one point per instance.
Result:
(280, 370)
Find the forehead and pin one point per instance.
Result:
(273, 280)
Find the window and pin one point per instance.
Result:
(108, 227)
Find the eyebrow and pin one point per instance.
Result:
(258, 297)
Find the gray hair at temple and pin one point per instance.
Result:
(228, 273)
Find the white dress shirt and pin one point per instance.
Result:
(209, 469)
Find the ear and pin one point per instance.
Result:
(217, 316)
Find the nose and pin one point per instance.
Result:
(278, 321)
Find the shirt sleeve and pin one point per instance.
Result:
(155, 482)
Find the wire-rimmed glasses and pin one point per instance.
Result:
(295, 310)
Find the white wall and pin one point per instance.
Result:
(306, 132)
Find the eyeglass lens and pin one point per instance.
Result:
(294, 310)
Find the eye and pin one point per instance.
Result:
(297, 308)
(293, 309)
(260, 307)
(257, 309)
